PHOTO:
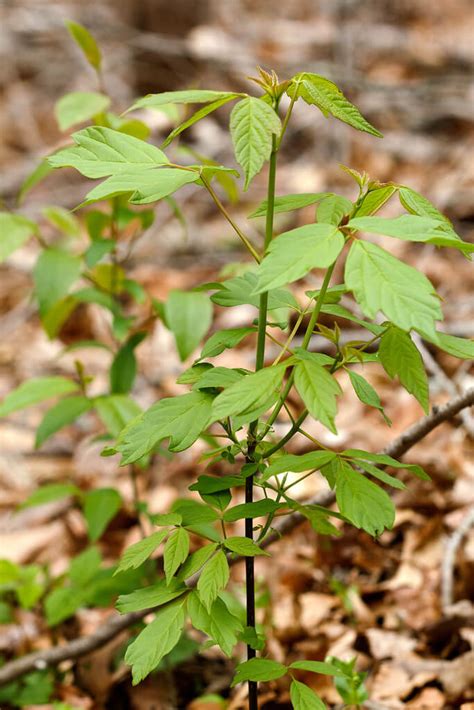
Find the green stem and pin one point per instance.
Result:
(223, 210)
(307, 337)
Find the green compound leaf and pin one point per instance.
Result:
(386, 460)
(175, 552)
(256, 509)
(116, 411)
(243, 546)
(212, 579)
(136, 554)
(49, 493)
(195, 561)
(366, 393)
(86, 42)
(59, 416)
(202, 113)
(362, 502)
(124, 366)
(149, 597)
(102, 151)
(254, 392)
(380, 282)
(298, 463)
(318, 390)
(413, 228)
(252, 125)
(156, 640)
(62, 219)
(181, 419)
(293, 254)
(36, 390)
(188, 315)
(79, 106)
(288, 203)
(222, 340)
(320, 92)
(15, 230)
(54, 274)
(218, 623)
(190, 96)
(332, 209)
(458, 347)
(415, 203)
(374, 199)
(258, 669)
(142, 186)
(100, 507)
(400, 358)
(240, 290)
(303, 698)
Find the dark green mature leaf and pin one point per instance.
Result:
(218, 623)
(116, 411)
(124, 366)
(413, 228)
(320, 92)
(202, 113)
(38, 389)
(79, 106)
(175, 552)
(303, 698)
(252, 125)
(189, 96)
(59, 416)
(100, 506)
(54, 274)
(298, 463)
(149, 597)
(288, 203)
(222, 340)
(374, 199)
(244, 546)
(213, 484)
(332, 209)
(15, 230)
(293, 254)
(362, 502)
(219, 377)
(156, 640)
(380, 282)
(188, 315)
(61, 603)
(86, 42)
(400, 358)
(366, 393)
(102, 151)
(318, 389)
(254, 392)
(143, 186)
(136, 554)
(256, 509)
(181, 419)
(258, 669)
(212, 579)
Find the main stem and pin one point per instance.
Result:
(252, 442)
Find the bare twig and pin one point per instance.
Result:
(116, 624)
(449, 558)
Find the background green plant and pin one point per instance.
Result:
(239, 405)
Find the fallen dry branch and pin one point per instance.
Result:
(116, 624)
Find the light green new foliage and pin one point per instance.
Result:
(242, 414)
